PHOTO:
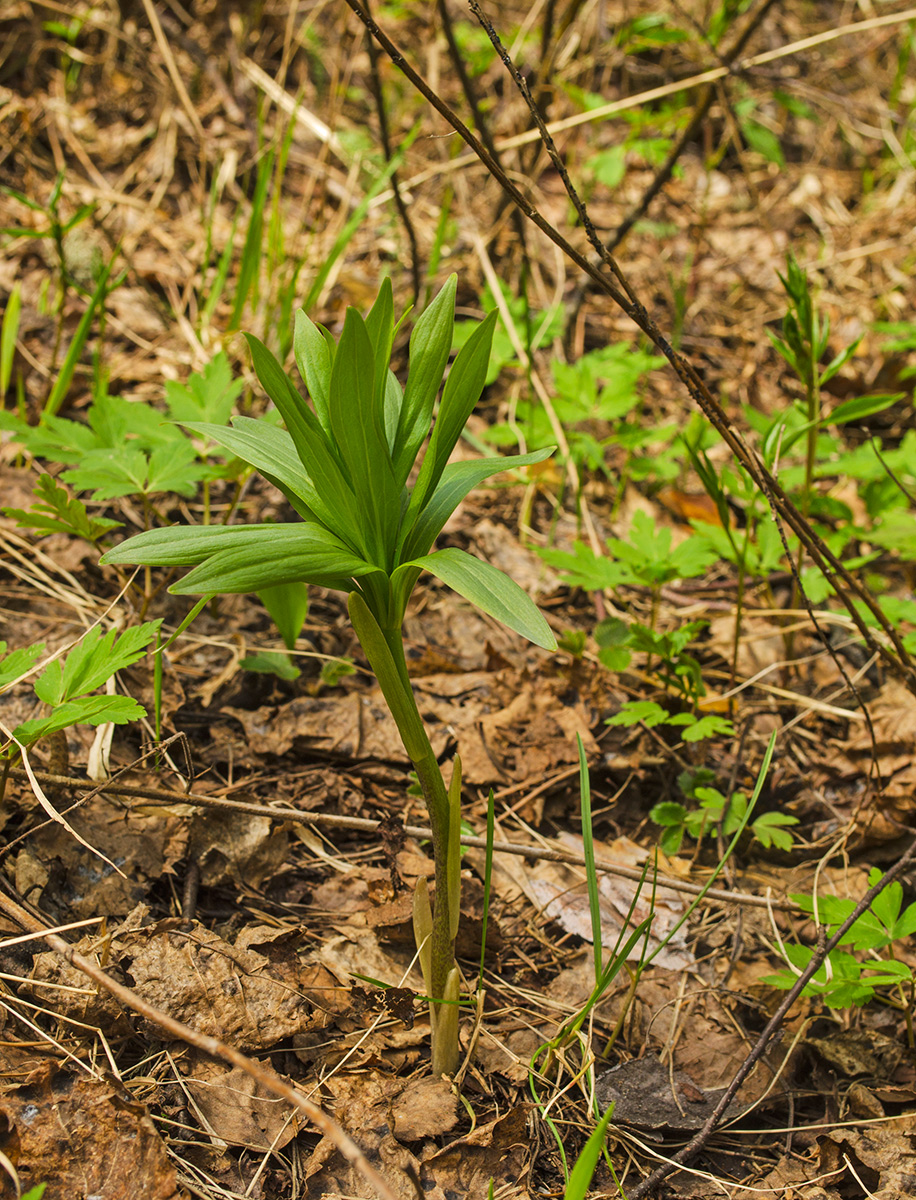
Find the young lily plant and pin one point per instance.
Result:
(343, 463)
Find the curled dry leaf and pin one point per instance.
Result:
(561, 893)
(230, 992)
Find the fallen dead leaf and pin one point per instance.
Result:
(237, 1109)
(83, 1137)
(561, 893)
(224, 991)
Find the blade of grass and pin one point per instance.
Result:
(65, 378)
(588, 850)
(343, 238)
(251, 251)
(487, 881)
(8, 334)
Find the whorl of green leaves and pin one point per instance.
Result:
(343, 463)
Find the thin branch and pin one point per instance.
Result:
(367, 825)
(385, 134)
(830, 565)
(825, 946)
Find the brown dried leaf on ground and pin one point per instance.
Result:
(561, 893)
(224, 991)
(532, 733)
(350, 724)
(84, 1137)
(236, 1108)
(647, 1094)
(395, 1120)
(232, 847)
(382, 1113)
(878, 1161)
(145, 845)
(893, 714)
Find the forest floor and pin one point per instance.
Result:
(243, 858)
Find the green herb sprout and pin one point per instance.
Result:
(343, 463)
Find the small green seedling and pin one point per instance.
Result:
(343, 464)
(650, 714)
(69, 686)
(717, 812)
(846, 979)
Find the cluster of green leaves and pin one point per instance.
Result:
(716, 813)
(852, 977)
(69, 686)
(344, 467)
(128, 448)
(646, 559)
(650, 714)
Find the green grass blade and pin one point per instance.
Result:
(580, 1177)
(588, 847)
(345, 235)
(65, 378)
(8, 334)
(251, 251)
(487, 882)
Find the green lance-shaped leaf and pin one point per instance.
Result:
(489, 590)
(457, 480)
(357, 424)
(580, 1177)
(316, 452)
(313, 358)
(306, 554)
(272, 452)
(380, 328)
(430, 345)
(288, 605)
(187, 545)
(462, 391)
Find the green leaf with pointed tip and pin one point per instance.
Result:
(462, 391)
(288, 604)
(285, 554)
(380, 327)
(313, 358)
(457, 480)
(580, 1177)
(316, 451)
(187, 545)
(356, 421)
(85, 710)
(92, 662)
(269, 450)
(489, 590)
(430, 345)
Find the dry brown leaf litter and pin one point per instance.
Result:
(128, 144)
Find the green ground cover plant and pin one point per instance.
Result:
(859, 975)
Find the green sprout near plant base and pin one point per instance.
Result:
(344, 465)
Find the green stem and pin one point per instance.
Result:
(384, 648)
(436, 797)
